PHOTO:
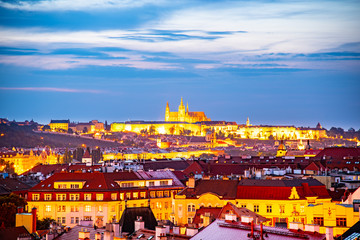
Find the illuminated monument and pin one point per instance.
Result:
(183, 115)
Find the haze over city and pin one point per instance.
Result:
(277, 62)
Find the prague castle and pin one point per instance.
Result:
(183, 115)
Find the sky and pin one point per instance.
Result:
(276, 62)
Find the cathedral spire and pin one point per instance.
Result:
(248, 122)
(167, 106)
(187, 107)
(181, 103)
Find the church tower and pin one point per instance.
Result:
(167, 112)
(181, 113)
(248, 122)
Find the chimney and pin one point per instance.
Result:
(252, 228)
(191, 182)
(108, 235)
(84, 234)
(116, 229)
(160, 232)
(139, 223)
(329, 233)
(312, 228)
(33, 214)
(176, 230)
(167, 228)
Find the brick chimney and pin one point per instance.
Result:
(33, 215)
(139, 223)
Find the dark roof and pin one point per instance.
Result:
(14, 232)
(354, 230)
(9, 185)
(213, 211)
(279, 183)
(162, 164)
(339, 152)
(240, 212)
(224, 188)
(127, 221)
(60, 121)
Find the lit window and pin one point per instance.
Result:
(127, 185)
(35, 197)
(152, 194)
(99, 197)
(159, 194)
(113, 196)
(100, 208)
(87, 208)
(256, 208)
(282, 208)
(319, 221)
(74, 197)
(191, 208)
(61, 208)
(122, 196)
(135, 195)
(74, 209)
(48, 208)
(62, 186)
(113, 208)
(341, 222)
(75, 186)
(87, 197)
(151, 184)
(166, 204)
(128, 195)
(143, 195)
(166, 194)
(47, 197)
(163, 183)
(61, 197)
(189, 220)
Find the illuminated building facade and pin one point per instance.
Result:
(102, 197)
(56, 125)
(183, 115)
(281, 201)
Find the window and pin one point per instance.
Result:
(76, 220)
(128, 195)
(269, 209)
(166, 205)
(87, 208)
(35, 197)
(135, 195)
(243, 205)
(100, 208)
(61, 197)
(191, 208)
(59, 219)
(61, 208)
(113, 208)
(319, 221)
(256, 208)
(166, 216)
(127, 185)
(74, 197)
(341, 222)
(75, 186)
(302, 208)
(62, 186)
(87, 197)
(72, 220)
(113, 196)
(47, 197)
(122, 196)
(48, 208)
(158, 216)
(151, 184)
(99, 197)
(152, 194)
(282, 208)
(63, 221)
(87, 218)
(74, 208)
(189, 220)
(166, 194)
(143, 195)
(164, 183)
(159, 194)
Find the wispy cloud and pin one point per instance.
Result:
(65, 5)
(51, 89)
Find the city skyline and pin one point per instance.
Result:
(276, 62)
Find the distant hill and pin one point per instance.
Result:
(24, 136)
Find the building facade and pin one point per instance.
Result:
(183, 115)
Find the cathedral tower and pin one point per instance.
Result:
(167, 112)
(181, 113)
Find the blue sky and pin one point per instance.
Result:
(277, 62)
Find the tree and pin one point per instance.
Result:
(8, 208)
(172, 130)
(46, 128)
(67, 157)
(152, 130)
(70, 131)
(85, 130)
(6, 166)
(44, 223)
(144, 131)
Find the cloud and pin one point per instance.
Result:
(76, 5)
(50, 89)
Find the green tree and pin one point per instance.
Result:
(44, 223)
(152, 130)
(70, 131)
(67, 157)
(144, 131)
(8, 208)
(46, 128)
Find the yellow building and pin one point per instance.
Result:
(25, 161)
(281, 201)
(183, 115)
(57, 125)
(102, 197)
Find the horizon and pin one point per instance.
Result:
(276, 62)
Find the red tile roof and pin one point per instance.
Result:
(339, 152)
